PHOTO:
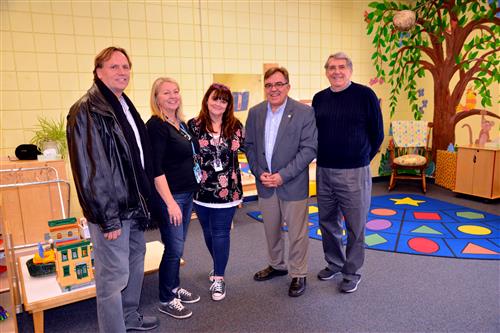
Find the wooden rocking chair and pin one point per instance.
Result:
(409, 150)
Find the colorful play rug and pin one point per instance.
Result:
(415, 224)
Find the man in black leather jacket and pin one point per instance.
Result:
(111, 164)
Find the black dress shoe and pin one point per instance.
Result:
(297, 287)
(269, 273)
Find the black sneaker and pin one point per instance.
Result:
(186, 296)
(144, 323)
(175, 309)
(218, 289)
(327, 274)
(349, 286)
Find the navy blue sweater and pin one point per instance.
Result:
(350, 127)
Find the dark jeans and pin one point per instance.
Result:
(216, 224)
(173, 238)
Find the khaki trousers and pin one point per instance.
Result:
(276, 213)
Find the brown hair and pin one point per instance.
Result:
(105, 55)
(229, 121)
(274, 70)
(155, 109)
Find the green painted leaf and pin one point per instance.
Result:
(486, 101)
(468, 46)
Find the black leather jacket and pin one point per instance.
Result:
(102, 165)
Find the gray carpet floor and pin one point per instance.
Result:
(398, 292)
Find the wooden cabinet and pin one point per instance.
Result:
(30, 197)
(478, 171)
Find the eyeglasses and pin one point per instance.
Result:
(278, 85)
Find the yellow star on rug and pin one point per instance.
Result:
(407, 201)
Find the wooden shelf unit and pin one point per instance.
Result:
(31, 193)
(8, 325)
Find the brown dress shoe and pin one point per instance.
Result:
(269, 273)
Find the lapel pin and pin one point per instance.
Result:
(289, 116)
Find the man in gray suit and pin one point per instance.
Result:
(281, 141)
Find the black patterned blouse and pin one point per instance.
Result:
(220, 184)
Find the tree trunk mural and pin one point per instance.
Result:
(451, 40)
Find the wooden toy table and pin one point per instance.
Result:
(43, 293)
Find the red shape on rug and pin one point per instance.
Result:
(427, 216)
(423, 245)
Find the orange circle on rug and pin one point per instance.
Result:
(423, 245)
(474, 230)
(383, 212)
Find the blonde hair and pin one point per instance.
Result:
(155, 108)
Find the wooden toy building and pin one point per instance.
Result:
(73, 254)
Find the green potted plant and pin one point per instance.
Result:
(50, 135)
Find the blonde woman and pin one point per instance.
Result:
(174, 151)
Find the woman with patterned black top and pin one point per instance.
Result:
(220, 135)
(173, 151)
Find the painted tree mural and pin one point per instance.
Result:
(456, 41)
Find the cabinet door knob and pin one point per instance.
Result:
(474, 160)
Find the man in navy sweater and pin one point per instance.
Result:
(350, 131)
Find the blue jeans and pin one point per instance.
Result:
(216, 224)
(173, 238)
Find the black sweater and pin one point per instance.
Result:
(172, 155)
(350, 127)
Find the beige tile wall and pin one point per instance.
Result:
(47, 50)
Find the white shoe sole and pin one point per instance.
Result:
(218, 297)
(175, 316)
(353, 289)
(192, 301)
(330, 277)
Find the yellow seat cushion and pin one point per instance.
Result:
(410, 160)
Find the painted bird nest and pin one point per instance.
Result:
(404, 20)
